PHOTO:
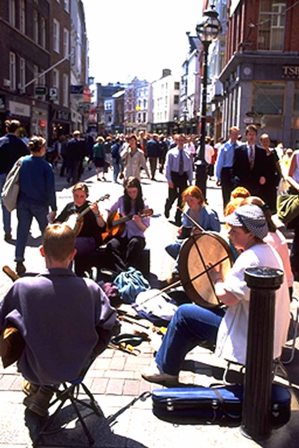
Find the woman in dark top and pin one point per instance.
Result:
(88, 223)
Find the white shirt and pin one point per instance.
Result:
(232, 333)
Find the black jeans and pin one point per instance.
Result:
(124, 252)
(180, 183)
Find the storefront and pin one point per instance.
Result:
(59, 122)
(264, 90)
(20, 111)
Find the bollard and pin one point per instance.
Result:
(256, 411)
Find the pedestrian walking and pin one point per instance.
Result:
(179, 172)
(11, 149)
(224, 164)
(99, 157)
(36, 195)
(133, 159)
(75, 153)
(153, 153)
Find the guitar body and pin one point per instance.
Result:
(113, 230)
(116, 223)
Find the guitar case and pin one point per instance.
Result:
(223, 404)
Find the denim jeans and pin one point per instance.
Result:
(25, 214)
(190, 326)
(116, 169)
(5, 212)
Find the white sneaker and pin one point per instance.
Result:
(154, 375)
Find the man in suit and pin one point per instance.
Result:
(249, 163)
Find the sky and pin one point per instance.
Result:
(129, 38)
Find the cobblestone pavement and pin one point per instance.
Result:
(115, 376)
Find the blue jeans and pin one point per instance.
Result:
(5, 212)
(116, 169)
(25, 214)
(190, 326)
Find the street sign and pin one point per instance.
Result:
(76, 89)
(53, 93)
(40, 90)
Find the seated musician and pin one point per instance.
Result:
(193, 325)
(200, 213)
(88, 229)
(125, 249)
(65, 320)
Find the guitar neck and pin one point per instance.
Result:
(86, 210)
(122, 220)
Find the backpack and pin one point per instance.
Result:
(130, 283)
(11, 187)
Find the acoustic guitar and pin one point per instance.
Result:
(116, 223)
(75, 220)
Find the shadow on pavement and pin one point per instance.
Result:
(68, 432)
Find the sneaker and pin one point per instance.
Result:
(155, 375)
(29, 388)
(7, 237)
(39, 401)
(20, 268)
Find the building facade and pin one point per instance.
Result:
(35, 73)
(261, 73)
(166, 104)
(137, 100)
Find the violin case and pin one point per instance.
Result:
(221, 404)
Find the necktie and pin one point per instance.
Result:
(251, 156)
(181, 163)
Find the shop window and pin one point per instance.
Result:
(296, 99)
(268, 98)
(271, 25)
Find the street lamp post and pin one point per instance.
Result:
(207, 30)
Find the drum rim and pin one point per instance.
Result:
(184, 274)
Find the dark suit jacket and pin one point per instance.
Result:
(243, 175)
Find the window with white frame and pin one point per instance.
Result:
(56, 35)
(22, 16)
(12, 70)
(35, 75)
(271, 26)
(55, 82)
(22, 72)
(65, 91)
(35, 26)
(12, 12)
(67, 5)
(43, 33)
(66, 43)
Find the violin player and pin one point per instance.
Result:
(125, 249)
(88, 228)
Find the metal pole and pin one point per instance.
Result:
(256, 412)
(200, 164)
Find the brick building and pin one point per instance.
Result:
(261, 72)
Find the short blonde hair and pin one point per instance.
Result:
(240, 192)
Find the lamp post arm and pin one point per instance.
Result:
(45, 71)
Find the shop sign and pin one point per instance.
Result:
(20, 109)
(76, 89)
(40, 90)
(290, 71)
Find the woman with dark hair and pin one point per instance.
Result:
(125, 250)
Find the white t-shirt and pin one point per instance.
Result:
(232, 333)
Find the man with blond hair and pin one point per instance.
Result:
(65, 320)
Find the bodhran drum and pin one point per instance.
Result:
(198, 257)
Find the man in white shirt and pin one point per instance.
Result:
(192, 325)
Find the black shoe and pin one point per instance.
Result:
(20, 268)
(166, 213)
(7, 237)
